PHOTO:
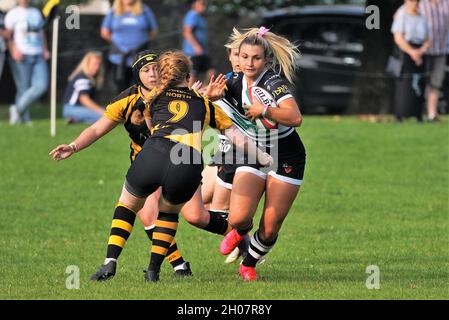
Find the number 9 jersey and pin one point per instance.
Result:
(182, 115)
(178, 119)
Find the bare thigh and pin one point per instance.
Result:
(221, 198)
(194, 211)
(247, 189)
(208, 183)
(130, 201)
(148, 214)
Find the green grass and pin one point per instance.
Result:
(374, 194)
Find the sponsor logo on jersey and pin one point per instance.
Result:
(287, 168)
(279, 90)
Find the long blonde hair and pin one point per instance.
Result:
(173, 68)
(120, 10)
(279, 51)
(83, 66)
(232, 40)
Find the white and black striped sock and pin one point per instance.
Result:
(257, 250)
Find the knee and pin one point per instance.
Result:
(196, 218)
(240, 222)
(135, 204)
(147, 217)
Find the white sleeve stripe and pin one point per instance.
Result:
(82, 88)
(82, 83)
(82, 80)
(284, 98)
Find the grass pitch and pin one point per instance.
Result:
(374, 194)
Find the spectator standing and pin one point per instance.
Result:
(437, 14)
(79, 104)
(195, 33)
(29, 52)
(129, 27)
(411, 37)
(2, 42)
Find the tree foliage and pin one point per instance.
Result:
(65, 3)
(244, 7)
(241, 7)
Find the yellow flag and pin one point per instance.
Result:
(50, 7)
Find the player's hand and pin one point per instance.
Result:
(197, 85)
(62, 152)
(265, 160)
(254, 111)
(215, 89)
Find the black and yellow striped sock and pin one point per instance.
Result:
(218, 223)
(121, 228)
(163, 235)
(174, 256)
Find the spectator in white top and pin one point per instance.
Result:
(437, 14)
(79, 104)
(412, 38)
(29, 52)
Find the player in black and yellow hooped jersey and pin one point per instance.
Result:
(171, 156)
(127, 108)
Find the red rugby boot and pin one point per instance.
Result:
(248, 273)
(230, 242)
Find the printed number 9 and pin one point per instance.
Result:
(179, 110)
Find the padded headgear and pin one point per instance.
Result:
(143, 59)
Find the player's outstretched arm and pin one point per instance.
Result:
(85, 139)
(216, 87)
(248, 147)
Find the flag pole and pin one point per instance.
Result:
(54, 64)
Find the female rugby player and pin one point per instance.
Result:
(171, 157)
(263, 58)
(128, 108)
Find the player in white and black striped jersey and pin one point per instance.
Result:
(261, 53)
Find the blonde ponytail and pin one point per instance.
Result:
(234, 39)
(279, 51)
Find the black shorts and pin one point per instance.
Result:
(290, 160)
(200, 64)
(226, 174)
(152, 168)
